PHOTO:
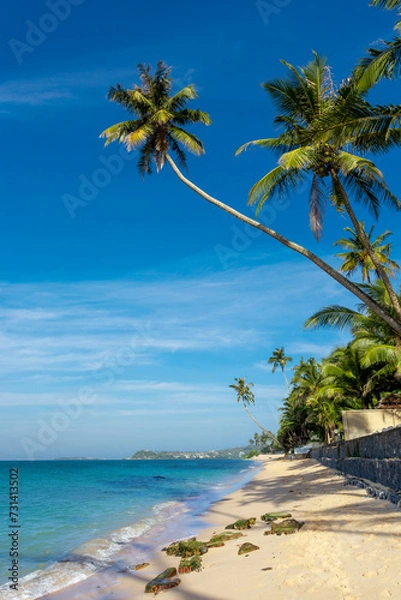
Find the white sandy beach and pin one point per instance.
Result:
(348, 549)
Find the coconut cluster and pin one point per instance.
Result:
(325, 160)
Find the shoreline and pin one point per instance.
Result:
(104, 558)
(348, 549)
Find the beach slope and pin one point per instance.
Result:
(348, 549)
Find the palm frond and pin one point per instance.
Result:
(281, 144)
(383, 61)
(335, 315)
(118, 131)
(189, 116)
(135, 138)
(180, 99)
(279, 182)
(188, 140)
(386, 4)
(298, 158)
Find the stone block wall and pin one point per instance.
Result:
(375, 457)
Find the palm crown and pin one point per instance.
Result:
(159, 119)
(355, 256)
(323, 127)
(244, 392)
(320, 125)
(279, 359)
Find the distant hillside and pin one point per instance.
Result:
(178, 455)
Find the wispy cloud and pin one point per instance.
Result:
(155, 349)
(78, 327)
(60, 87)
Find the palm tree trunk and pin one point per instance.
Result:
(351, 287)
(285, 379)
(267, 432)
(365, 241)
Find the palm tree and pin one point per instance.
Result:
(314, 145)
(384, 59)
(247, 397)
(348, 378)
(296, 425)
(279, 359)
(377, 345)
(157, 130)
(356, 257)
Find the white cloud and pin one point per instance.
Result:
(43, 90)
(55, 337)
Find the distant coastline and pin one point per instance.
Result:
(228, 453)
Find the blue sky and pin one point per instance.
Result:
(141, 310)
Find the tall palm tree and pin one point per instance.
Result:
(279, 359)
(378, 346)
(356, 257)
(384, 58)
(157, 128)
(247, 397)
(315, 145)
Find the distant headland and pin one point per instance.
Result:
(239, 452)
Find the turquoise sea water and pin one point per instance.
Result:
(65, 505)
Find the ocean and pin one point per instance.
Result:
(76, 517)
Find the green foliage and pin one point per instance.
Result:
(369, 368)
(252, 454)
(320, 123)
(159, 119)
(244, 392)
(359, 375)
(247, 397)
(356, 258)
(384, 58)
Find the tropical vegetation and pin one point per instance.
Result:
(247, 397)
(324, 128)
(329, 135)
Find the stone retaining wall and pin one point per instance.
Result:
(375, 457)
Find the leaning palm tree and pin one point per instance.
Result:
(315, 146)
(247, 397)
(279, 359)
(356, 257)
(384, 58)
(156, 128)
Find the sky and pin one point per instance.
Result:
(125, 318)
